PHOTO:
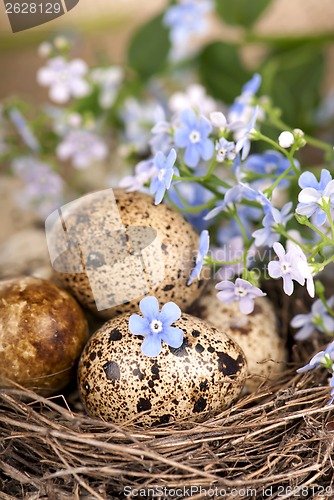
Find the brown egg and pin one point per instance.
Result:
(256, 333)
(117, 382)
(112, 256)
(42, 333)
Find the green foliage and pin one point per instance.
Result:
(149, 47)
(292, 78)
(221, 71)
(241, 12)
(292, 68)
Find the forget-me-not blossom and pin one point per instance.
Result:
(225, 150)
(82, 147)
(274, 217)
(187, 19)
(65, 79)
(317, 319)
(193, 136)
(155, 326)
(241, 291)
(165, 171)
(291, 265)
(323, 358)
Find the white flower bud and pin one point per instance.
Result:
(298, 132)
(60, 42)
(286, 139)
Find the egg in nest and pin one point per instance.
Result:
(112, 250)
(256, 333)
(118, 383)
(42, 333)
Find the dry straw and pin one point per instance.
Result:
(276, 443)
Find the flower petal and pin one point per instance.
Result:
(279, 250)
(181, 137)
(307, 179)
(149, 306)
(287, 284)
(325, 179)
(195, 272)
(159, 160)
(151, 345)
(160, 193)
(172, 336)
(320, 217)
(191, 156)
(138, 325)
(305, 332)
(246, 305)
(207, 149)
(329, 189)
(309, 195)
(170, 312)
(59, 93)
(300, 320)
(226, 296)
(307, 209)
(171, 158)
(189, 118)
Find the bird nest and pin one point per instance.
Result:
(274, 443)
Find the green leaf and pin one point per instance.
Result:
(149, 47)
(241, 12)
(292, 78)
(221, 71)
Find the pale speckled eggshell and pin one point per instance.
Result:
(42, 333)
(118, 383)
(94, 221)
(256, 333)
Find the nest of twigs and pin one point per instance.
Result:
(275, 443)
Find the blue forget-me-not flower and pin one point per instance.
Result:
(193, 136)
(156, 326)
(317, 319)
(274, 217)
(291, 265)
(187, 19)
(323, 358)
(163, 179)
(241, 291)
(65, 79)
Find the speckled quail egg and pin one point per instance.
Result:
(111, 256)
(117, 382)
(256, 333)
(42, 334)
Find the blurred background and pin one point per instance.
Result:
(104, 27)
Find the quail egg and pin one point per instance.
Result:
(42, 334)
(118, 383)
(256, 333)
(110, 255)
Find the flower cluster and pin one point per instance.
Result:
(64, 137)
(240, 193)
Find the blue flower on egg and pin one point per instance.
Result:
(155, 326)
